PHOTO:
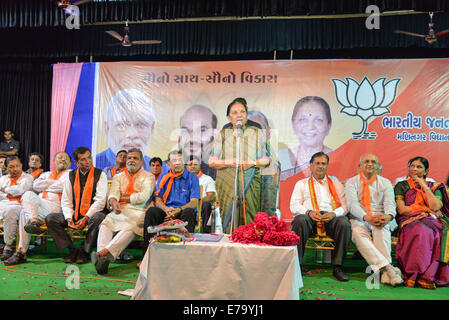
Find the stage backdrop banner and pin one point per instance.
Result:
(396, 109)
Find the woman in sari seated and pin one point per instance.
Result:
(421, 206)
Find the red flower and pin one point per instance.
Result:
(265, 230)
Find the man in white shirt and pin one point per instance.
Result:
(36, 207)
(320, 206)
(371, 201)
(208, 196)
(12, 187)
(130, 191)
(83, 201)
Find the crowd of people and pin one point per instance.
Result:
(241, 176)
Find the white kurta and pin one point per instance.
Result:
(134, 211)
(10, 210)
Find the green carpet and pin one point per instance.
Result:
(319, 284)
(44, 277)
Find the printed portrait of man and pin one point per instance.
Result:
(129, 123)
(198, 126)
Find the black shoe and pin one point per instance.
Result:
(7, 253)
(82, 257)
(71, 258)
(339, 274)
(125, 257)
(33, 227)
(102, 265)
(16, 258)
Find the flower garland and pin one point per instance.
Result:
(265, 230)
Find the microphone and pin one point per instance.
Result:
(238, 125)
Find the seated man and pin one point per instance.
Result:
(176, 197)
(83, 200)
(130, 191)
(35, 162)
(12, 187)
(209, 193)
(320, 206)
(35, 208)
(9, 147)
(371, 201)
(156, 167)
(120, 165)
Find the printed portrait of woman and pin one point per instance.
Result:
(311, 123)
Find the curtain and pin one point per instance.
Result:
(45, 13)
(25, 100)
(218, 38)
(66, 78)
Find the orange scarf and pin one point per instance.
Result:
(130, 187)
(54, 175)
(200, 174)
(114, 170)
(366, 197)
(83, 206)
(170, 177)
(421, 201)
(14, 183)
(335, 202)
(37, 173)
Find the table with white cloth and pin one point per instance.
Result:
(221, 270)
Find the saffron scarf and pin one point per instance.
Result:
(13, 182)
(335, 202)
(130, 187)
(366, 197)
(81, 207)
(114, 170)
(170, 177)
(54, 175)
(200, 174)
(37, 173)
(421, 202)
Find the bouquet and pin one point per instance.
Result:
(170, 231)
(265, 230)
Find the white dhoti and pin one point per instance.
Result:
(117, 231)
(115, 242)
(128, 219)
(374, 244)
(34, 207)
(9, 213)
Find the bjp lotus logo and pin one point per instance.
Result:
(365, 100)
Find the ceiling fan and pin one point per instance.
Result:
(65, 3)
(431, 36)
(125, 40)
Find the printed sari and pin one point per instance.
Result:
(420, 240)
(254, 146)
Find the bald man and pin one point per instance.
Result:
(198, 127)
(12, 187)
(129, 123)
(371, 202)
(35, 207)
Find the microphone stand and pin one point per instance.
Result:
(235, 217)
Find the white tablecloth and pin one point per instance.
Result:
(218, 270)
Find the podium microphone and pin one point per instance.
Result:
(238, 132)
